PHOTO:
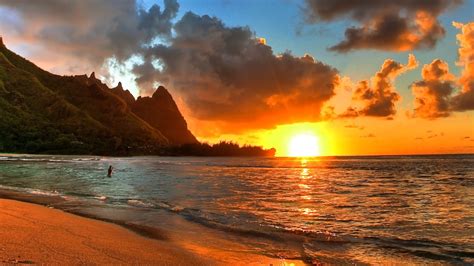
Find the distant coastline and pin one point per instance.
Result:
(221, 149)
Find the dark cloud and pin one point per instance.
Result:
(378, 96)
(432, 94)
(88, 31)
(228, 75)
(155, 22)
(401, 25)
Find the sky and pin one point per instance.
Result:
(363, 77)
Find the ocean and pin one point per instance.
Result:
(333, 210)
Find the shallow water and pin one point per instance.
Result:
(395, 209)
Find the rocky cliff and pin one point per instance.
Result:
(161, 112)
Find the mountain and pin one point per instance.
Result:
(41, 112)
(161, 112)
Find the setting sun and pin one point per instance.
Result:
(304, 145)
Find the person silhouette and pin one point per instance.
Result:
(109, 172)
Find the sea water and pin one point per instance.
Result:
(336, 210)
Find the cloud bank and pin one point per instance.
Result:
(401, 25)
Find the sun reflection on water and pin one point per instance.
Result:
(305, 189)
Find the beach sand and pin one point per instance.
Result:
(31, 233)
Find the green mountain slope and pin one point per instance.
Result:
(45, 113)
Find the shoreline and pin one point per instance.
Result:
(75, 238)
(36, 234)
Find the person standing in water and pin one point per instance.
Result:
(109, 172)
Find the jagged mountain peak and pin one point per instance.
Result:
(119, 86)
(125, 95)
(161, 92)
(161, 111)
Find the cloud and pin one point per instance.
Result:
(352, 126)
(86, 32)
(401, 25)
(378, 96)
(464, 101)
(432, 94)
(228, 75)
(430, 135)
(436, 94)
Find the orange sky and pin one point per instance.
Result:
(371, 136)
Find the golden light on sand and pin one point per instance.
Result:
(304, 145)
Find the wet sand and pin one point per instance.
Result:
(31, 233)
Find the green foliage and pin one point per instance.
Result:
(223, 148)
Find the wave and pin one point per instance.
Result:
(102, 198)
(425, 248)
(312, 240)
(154, 205)
(33, 191)
(34, 194)
(43, 192)
(139, 203)
(46, 159)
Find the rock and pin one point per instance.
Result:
(162, 113)
(125, 95)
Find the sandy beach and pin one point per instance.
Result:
(35, 234)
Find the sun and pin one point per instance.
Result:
(304, 145)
